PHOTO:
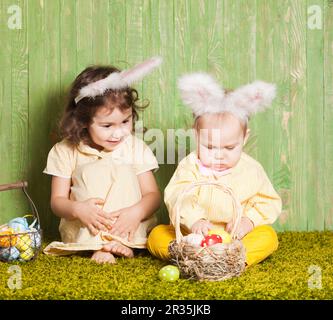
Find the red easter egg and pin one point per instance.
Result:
(210, 240)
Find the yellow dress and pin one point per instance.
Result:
(111, 176)
(249, 183)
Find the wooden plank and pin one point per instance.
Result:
(6, 36)
(239, 53)
(54, 96)
(37, 104)
(159, 87)
(327, 165)
(314, 149)
(19, 111)
(84, 35)
(68, 43)
(44, 83)
(215, 41)
(281, 108)
(198, 34)
(100, 31)
(245, 39)
(297, 220)
(183, 57)
(117, 25)
(264, 71)
(134, 52)
(231, 68)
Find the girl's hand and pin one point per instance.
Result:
(245, 226)
(127, 222)
(92, 216)
(202, 226)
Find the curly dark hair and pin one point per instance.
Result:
(78, 116)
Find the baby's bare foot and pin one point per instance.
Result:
(119, 249)
(103, 257)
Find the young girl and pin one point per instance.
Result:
(221, 130)
(103, 187)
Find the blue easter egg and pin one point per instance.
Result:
(9, 254)
(36, 239)
(19, 224)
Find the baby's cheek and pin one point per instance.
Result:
(236, 157)
(205, 157)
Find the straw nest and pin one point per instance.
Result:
(214, 263)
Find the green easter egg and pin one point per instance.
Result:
(169, 273)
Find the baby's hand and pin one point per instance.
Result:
(245, 226)
(202, 226)
(92, 216)
(127, 221)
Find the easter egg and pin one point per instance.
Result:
(194, 239)
(7, 238)
(226, 237)
(24, 242)
(36, 238)
(169, 273)
(211, 240)
(9, 254)
(19, 224)
(27, 254)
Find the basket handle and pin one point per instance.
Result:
(15, 185)
(236, 206)
(21, 185)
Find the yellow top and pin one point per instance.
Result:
(248, 181)
(64, 159)
(111, 176)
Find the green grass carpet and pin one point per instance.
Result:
(284, 275)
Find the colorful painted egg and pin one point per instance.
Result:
(9, 254)
(226, 237)
(211, 240)
(27, 254)
(24, 242)
(7, 238)
(19, 224)
(169, 273)
(194, 239)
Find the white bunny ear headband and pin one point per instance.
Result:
(119, 80)
(202, 94)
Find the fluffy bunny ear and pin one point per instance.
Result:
(99, 87)
(140, 70)
(119, 80)
(201, 93)
(251, 98)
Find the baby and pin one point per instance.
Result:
(221, 129)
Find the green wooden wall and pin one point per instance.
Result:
(236, 40)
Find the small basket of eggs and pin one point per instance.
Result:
(19, 240)
(218, 256)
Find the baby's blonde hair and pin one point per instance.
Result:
(222, 116)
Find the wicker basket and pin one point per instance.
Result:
(213, 263)
(24, 245)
